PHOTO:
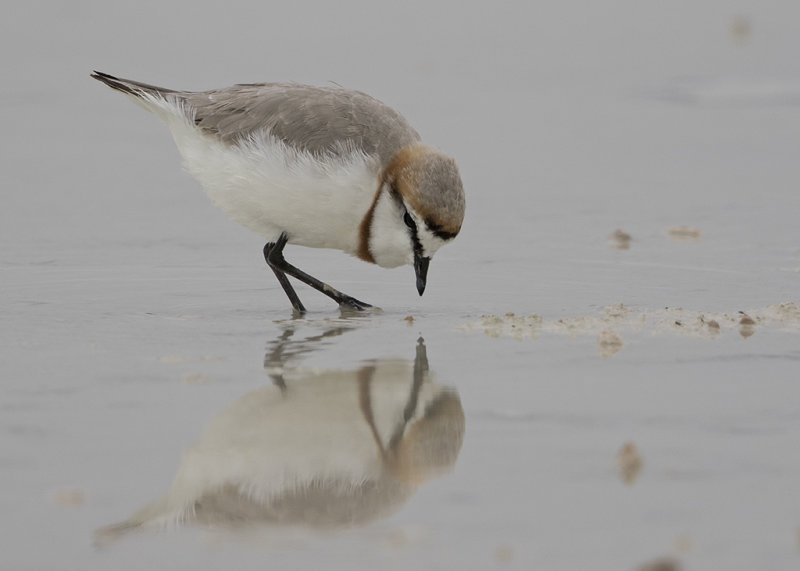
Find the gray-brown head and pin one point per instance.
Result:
(419, 208)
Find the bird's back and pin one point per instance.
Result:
(320, 120)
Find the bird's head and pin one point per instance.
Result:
(419, 208)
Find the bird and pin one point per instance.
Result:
(315, 166)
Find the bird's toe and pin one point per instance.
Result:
(353, 303)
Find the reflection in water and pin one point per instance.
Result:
(285, 350)
(322, 449)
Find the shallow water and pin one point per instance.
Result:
(134, 313)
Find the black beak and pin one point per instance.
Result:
(421, 269)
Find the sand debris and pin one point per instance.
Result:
(192, 379)
(741, 29)
(660, 564)
(609, 343)
(510, 325)
(614, 320)
(69, 497)
(629, 462)
(683, 234)
(747, 326)
(504, 554)
(619, 240)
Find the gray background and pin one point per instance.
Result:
(118, 278)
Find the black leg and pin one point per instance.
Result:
(274, 257)
(282, 279)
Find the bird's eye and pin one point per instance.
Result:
(409, 221)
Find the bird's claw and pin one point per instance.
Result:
(352, 303)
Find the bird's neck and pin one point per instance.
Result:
(383, 238)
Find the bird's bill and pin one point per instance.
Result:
(421, 269)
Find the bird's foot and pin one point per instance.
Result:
(348, 302)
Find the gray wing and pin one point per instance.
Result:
(316, 119)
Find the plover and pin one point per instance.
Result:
(325, 167)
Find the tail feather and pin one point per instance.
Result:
(167, 104)
(130, 87)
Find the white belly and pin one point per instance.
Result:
(272, 188)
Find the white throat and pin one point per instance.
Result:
(389, 241)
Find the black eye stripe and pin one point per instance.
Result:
(434, 228)
(437, 231)
(409, 221)
(441, 234)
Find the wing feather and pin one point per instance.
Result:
(320, 120)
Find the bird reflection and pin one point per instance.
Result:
(285, 349)
(319, 449)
